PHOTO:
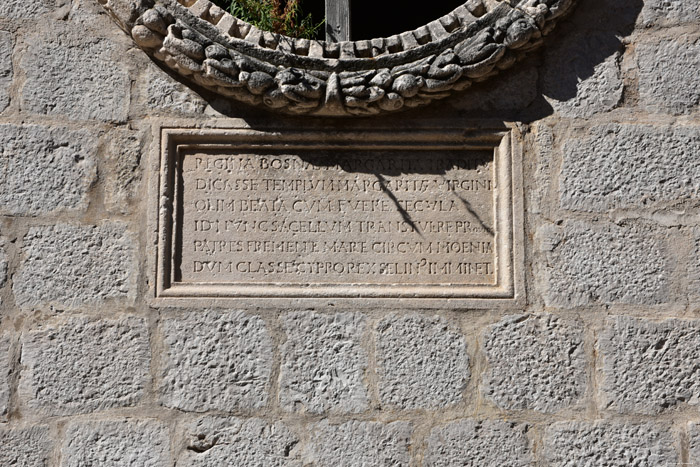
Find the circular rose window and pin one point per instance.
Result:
(232, 58)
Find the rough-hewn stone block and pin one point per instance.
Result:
(422, 362)
(45, 170)
(670, 12)
(511, 91)
(25, 9)
(619, 166)
(5, 67)
(592, 444)
(123, 177)
(75, 75)
(668, 75)
(25, 447)
(694, 441)
(216, 361)
(85, 365)
(478, 443)
(67, 266)
(649, 366)
(359, 443)
(323, 363)
(581, 76)
(3, 264)
(239, 443)
(534, 362)
(166, 94)
(116, 443)
(602, 264)
(5, 369)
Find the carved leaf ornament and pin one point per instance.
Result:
(232, 58)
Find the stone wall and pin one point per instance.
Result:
(600, 366)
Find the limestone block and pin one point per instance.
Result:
(68, 266)
(649, 366)
(592, 444)
(5, 370)
(25, 9)
(668, 75)
(123, 179)
(694, 442)
(478, 443)
(359, 443)
(3, 264)
(75, 75)
(239, 443)
(323, 363)
(581, 76)
(512, 91)
(670, 12)
(587, 264)
(45, 170)
(216, 361)
(534, 362)
(622, 166)
(25, 447)
(422, 362)
(166, 94)
(116, 443)
(85, 365)
(5, 67)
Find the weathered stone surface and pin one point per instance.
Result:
(95, 264)
(166, 94)
(323, 363)
(239, 443)
(45, 170)
(5, 370)
(579, 269)
(670, 12)
(5, 67)
(592, 444)
(85, 365)
(303, 230)
(116, 443)
(359, 443)
(216, 361)
(581, 76)
(422, 362)
(512, 91)
(534, 362)
(668, 75)
(25, 447)
(3, 264)
(621, 166)
(693, 441)
(77, 76)
(25, 9)
(649, 366)
(124, 177)
(478, 443)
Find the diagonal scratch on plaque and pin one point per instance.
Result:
(402, 211)
(471, 211)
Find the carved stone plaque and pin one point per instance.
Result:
(389, 215)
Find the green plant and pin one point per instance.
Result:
(280, 16)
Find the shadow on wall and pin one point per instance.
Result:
(575, 74)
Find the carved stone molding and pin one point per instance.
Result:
(232, 58)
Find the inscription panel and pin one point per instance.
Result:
(256, 215)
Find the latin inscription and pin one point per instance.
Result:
(342, 217)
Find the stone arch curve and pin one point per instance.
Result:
(234, 59)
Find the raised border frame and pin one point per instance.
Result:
(508, 215)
